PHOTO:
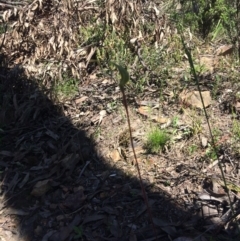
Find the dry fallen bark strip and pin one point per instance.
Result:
(14, 3)
(4, 5)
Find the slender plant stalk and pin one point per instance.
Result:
(213, 143)
(124, 79)
(137, 165)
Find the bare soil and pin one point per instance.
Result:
(66, 164)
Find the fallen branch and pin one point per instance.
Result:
(14, 3)
(5, 5)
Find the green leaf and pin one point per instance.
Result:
(78, 231)
(124, 75)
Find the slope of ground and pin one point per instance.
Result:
(67, 167)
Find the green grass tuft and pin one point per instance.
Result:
(66, 89)
(156, 140)
(236, 129)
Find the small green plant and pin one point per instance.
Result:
(211, 153)
(79, 232)
(156, 140)
(67, 88)
(111, 106)
(152, 58)
(216, 87)
(167, 183)
(91, 34)
(97, 133)
(192, 148)
(216, 134)
(113, 50)
(200, 69)
(139, 85)
(196, 127)
(2, 28)
(236, 129)
(175, 121)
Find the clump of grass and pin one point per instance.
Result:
(212, 153)
(235, 135)
(236, 129)
(192, 149)
(156, 140)
(67, 88)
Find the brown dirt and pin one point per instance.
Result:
(67, 169)
(59, 180)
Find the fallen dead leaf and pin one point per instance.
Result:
(93, 77)
(93, 218)
(70, 161)
(41, 188)
(24, 181)
(224, 50)
(152, 104)
(75, 200)
(144, 110)
(110, 210)
(106, 81)
(161, 120)
(115, 156)
(80, 100)
(193, 99)
(6, 153)
(13, 211)
(53, 135)
(208, 211)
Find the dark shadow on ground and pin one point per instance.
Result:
(55, 186)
